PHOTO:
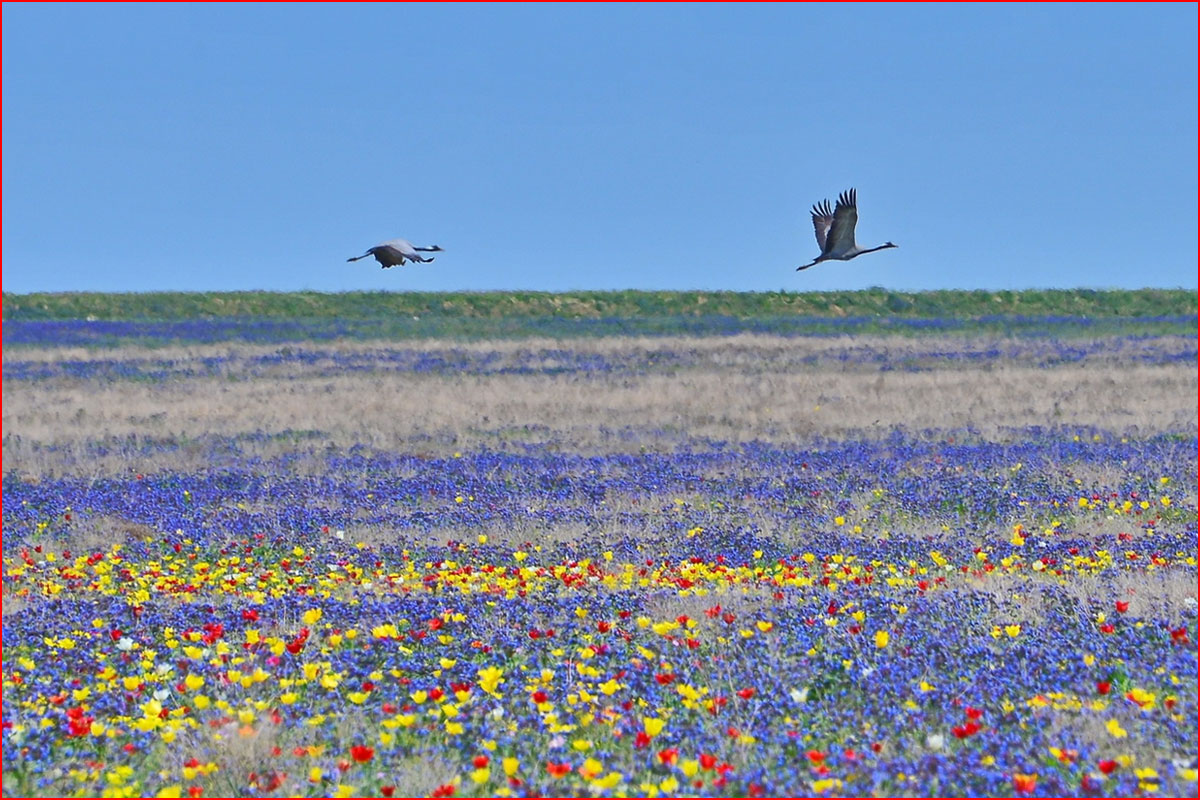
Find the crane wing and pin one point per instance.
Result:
(822, 217)
(845, 217)
(402, 246)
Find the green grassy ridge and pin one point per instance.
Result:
(875, 302)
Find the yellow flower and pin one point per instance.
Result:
(193, 682)
(1012, 630)
(1115, 730)
(511, 765)
(653, 725)
(490, 678)
(311, 616)
(881, 639)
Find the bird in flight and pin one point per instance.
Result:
(394, 252)
(835, 230)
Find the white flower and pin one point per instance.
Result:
(125, 645)
(935, 741)
(162, 694)
(799, 695)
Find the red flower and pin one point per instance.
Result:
(1122, 606)
(603, 627)
(362, 754)
(540, 697)
(436, 694)
(963, 731)
(250, 615)
(974, 713)
(557, 770)
(479, 762)
(815, 756)
(1103, 687)
(1107, 766)
(390, 708)
(445, 790)
(641, 740)
(1179, 635)
(1107, 628)
(746, 693)
(707, 761)
(728, 617)
(388, 790)
(195, 791)
(1024, 783)
(664, 677)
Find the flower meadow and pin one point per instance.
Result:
(642, 613)
(897, 616)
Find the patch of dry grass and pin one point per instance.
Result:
(737, 388)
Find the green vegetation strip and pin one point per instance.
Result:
(875, 302)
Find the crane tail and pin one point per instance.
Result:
(356, 258)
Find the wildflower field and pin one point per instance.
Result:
(667, 566)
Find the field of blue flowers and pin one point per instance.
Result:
(935, 612)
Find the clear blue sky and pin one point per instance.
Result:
(597, 146)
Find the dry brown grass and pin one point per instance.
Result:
(739, 388)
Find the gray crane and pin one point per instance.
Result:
(394, 252)
(835, 230)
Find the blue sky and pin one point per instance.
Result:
(207, 147)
